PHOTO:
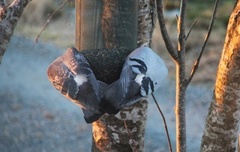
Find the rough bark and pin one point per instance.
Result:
(122, 132)
(9, 16)
(146, 21)
(221, 128)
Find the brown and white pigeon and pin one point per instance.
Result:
(72, 75)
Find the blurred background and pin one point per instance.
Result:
(35, 117)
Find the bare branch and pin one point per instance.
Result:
(190, 30)
(196, 64)
(9, 17)
(49, 19)
(172, 51)
(164, 122)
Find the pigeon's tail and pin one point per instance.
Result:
(112, 99)
(91, 116)
(109, 108)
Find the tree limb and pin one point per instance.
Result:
(8, 20)
(167, 41)
(196, 64)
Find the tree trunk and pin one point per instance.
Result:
(125, 131)
(221, 129)
(9, 16)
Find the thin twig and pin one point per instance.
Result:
(164, 122)
(172, 51)
(49, 19)
(190, 30)
(196, 64)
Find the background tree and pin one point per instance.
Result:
(9, 16)
(178, 55)
(221, 130)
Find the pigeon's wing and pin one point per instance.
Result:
(128, 86)
(85, 69)
(138, 78)
(111, 99)
(71, 74)
(153, 68)
(62, 78)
